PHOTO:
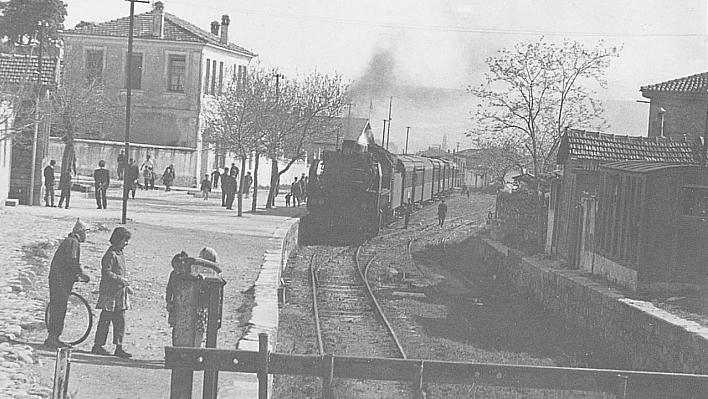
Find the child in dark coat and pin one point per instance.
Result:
(205, 187)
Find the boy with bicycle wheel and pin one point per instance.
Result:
(64, 271)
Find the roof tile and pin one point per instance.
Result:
(697, 83)
(581, 144)
(175, 29)
(23, 68)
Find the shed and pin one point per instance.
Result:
(653, 219)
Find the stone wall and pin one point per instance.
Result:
(515, 222)
(89, 152)
(654, 340)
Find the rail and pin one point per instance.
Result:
(622, 383)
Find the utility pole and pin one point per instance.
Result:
(128, 93)
(458, 147)
(33, 177)
(349, 118)
(383, 134)
(388, 137)
(408, 130)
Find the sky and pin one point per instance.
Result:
(422, 55)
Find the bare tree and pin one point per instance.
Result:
(82, 108)
(305, 110)
(236, 120)
(535, 90)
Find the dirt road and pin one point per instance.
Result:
(162, 224)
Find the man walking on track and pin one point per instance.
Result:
(407, 210)
(442, 212)
(101, 179)
(63, 272)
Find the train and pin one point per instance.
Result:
(355, 191)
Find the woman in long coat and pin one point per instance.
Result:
(168, 177)
(113, 294)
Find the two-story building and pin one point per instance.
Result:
(176, 68)
(678, 107)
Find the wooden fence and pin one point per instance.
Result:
(622, 383)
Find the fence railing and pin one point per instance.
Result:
(622, 383)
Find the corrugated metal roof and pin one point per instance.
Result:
(641, 166)
(584, 145)
(175, 29)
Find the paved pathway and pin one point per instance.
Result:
(26, 227)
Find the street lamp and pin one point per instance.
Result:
(128, 67)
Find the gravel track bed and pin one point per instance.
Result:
(434, 312)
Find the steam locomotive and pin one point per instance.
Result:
(353, 192)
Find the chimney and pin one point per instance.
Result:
(215, 28)
(225, 21)
(158, 20)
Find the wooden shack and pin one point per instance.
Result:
(652, 221)
(579, 156)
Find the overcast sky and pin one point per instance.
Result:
(438, 43)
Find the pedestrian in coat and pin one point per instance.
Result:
(121, 165)
(296, 190)
(113, 295)
(407, 211)
(132, 174)
(101, 180)
(147, 168)
(205, 187)
(168, 177)
(442, 212)
(49, 184)
(224, 179)
(247, 182)
(228, 184)
(64, 271)
(215, 178)
(65, 188)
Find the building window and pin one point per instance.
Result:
(206, 77)
(176, 72)
(213, 77)
(136, 72)
(241, 78)
(94, 65)
(221, 76)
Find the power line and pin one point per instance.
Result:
(458, 29)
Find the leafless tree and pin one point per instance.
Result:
(533, 91)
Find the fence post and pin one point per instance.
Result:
(181, 384)
(327, 376)
(418, 392)
(61, 373)
(263, 373)
(622, 389)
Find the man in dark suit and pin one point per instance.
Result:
(49, 184)
(101, 179)
(224, 178)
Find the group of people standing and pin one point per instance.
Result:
(298, 192)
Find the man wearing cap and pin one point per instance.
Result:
(64, 271)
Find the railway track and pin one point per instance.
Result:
(348, 319)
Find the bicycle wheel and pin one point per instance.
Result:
(78, 321)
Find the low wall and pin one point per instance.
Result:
(653, 339)
(89, 152)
